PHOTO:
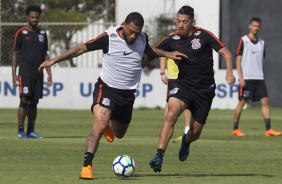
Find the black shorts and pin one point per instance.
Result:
(254, 90)
(30, 87)
(119, 101)
(170, 86)
(198, 101)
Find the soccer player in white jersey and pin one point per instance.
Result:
(249, 62)
(124, 47)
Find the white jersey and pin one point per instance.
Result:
(252, 59)
(122, 67)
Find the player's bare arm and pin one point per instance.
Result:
(154, 52)
(71, 53)
(15, 61)
(48, 69)
(225, 53)
(163, 64)
(239, 70)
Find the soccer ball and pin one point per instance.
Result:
(123, 165)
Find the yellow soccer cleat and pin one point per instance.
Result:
(272, 132)
(86, 173)
(238, 132)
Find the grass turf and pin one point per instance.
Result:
(217, 157)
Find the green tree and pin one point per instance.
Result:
(79, 11)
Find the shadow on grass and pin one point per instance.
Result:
(139, 176)
(64, 137)
(203, 175)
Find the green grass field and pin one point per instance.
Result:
(217, 157)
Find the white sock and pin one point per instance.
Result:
(186, 129)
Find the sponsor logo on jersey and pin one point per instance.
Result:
(197, 33)
(176, 37)
(41, 38)
(196, 44)
(106, 101)
(25, 90)
(24, 31)
(173, 91)
(42, 32)
(126, 53)
(113, 35)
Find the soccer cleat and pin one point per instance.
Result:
(272, 132)
(22, 135)
(86, 173)
(34, 135)
(109, 134)
(238, 132)
(184, 149)
(156, 164)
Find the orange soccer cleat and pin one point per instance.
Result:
(86, 173)
(109, 134)
(238, 132)
(272, 132)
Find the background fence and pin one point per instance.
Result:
(67, 23)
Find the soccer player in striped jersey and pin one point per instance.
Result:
(250, 53)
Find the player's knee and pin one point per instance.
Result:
(23, 104)
(119, 135)
(32, 106)
(265, 101)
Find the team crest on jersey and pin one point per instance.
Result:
(24, 31)
(197, 33)
(25, 90)
(113, 35)
(106, 101)
(173, 91)
(196, 43)
(41, 38)
(246, 93)
(176, 37)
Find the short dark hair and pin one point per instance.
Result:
(255, 19)
(136, 18)
(186, 10)
(33, 8)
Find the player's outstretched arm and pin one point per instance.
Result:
(71, 53)
(154, 52)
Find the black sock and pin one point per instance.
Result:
(30, 128)
(21, 128)
(236, 125)
(160, 152)
(88, 157)
(267, 124)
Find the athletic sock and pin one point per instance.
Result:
(30, 128)
(267, 124)
(186, 129)
(88, 157)
(236, 125)
(21, 128)
(160, 152)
